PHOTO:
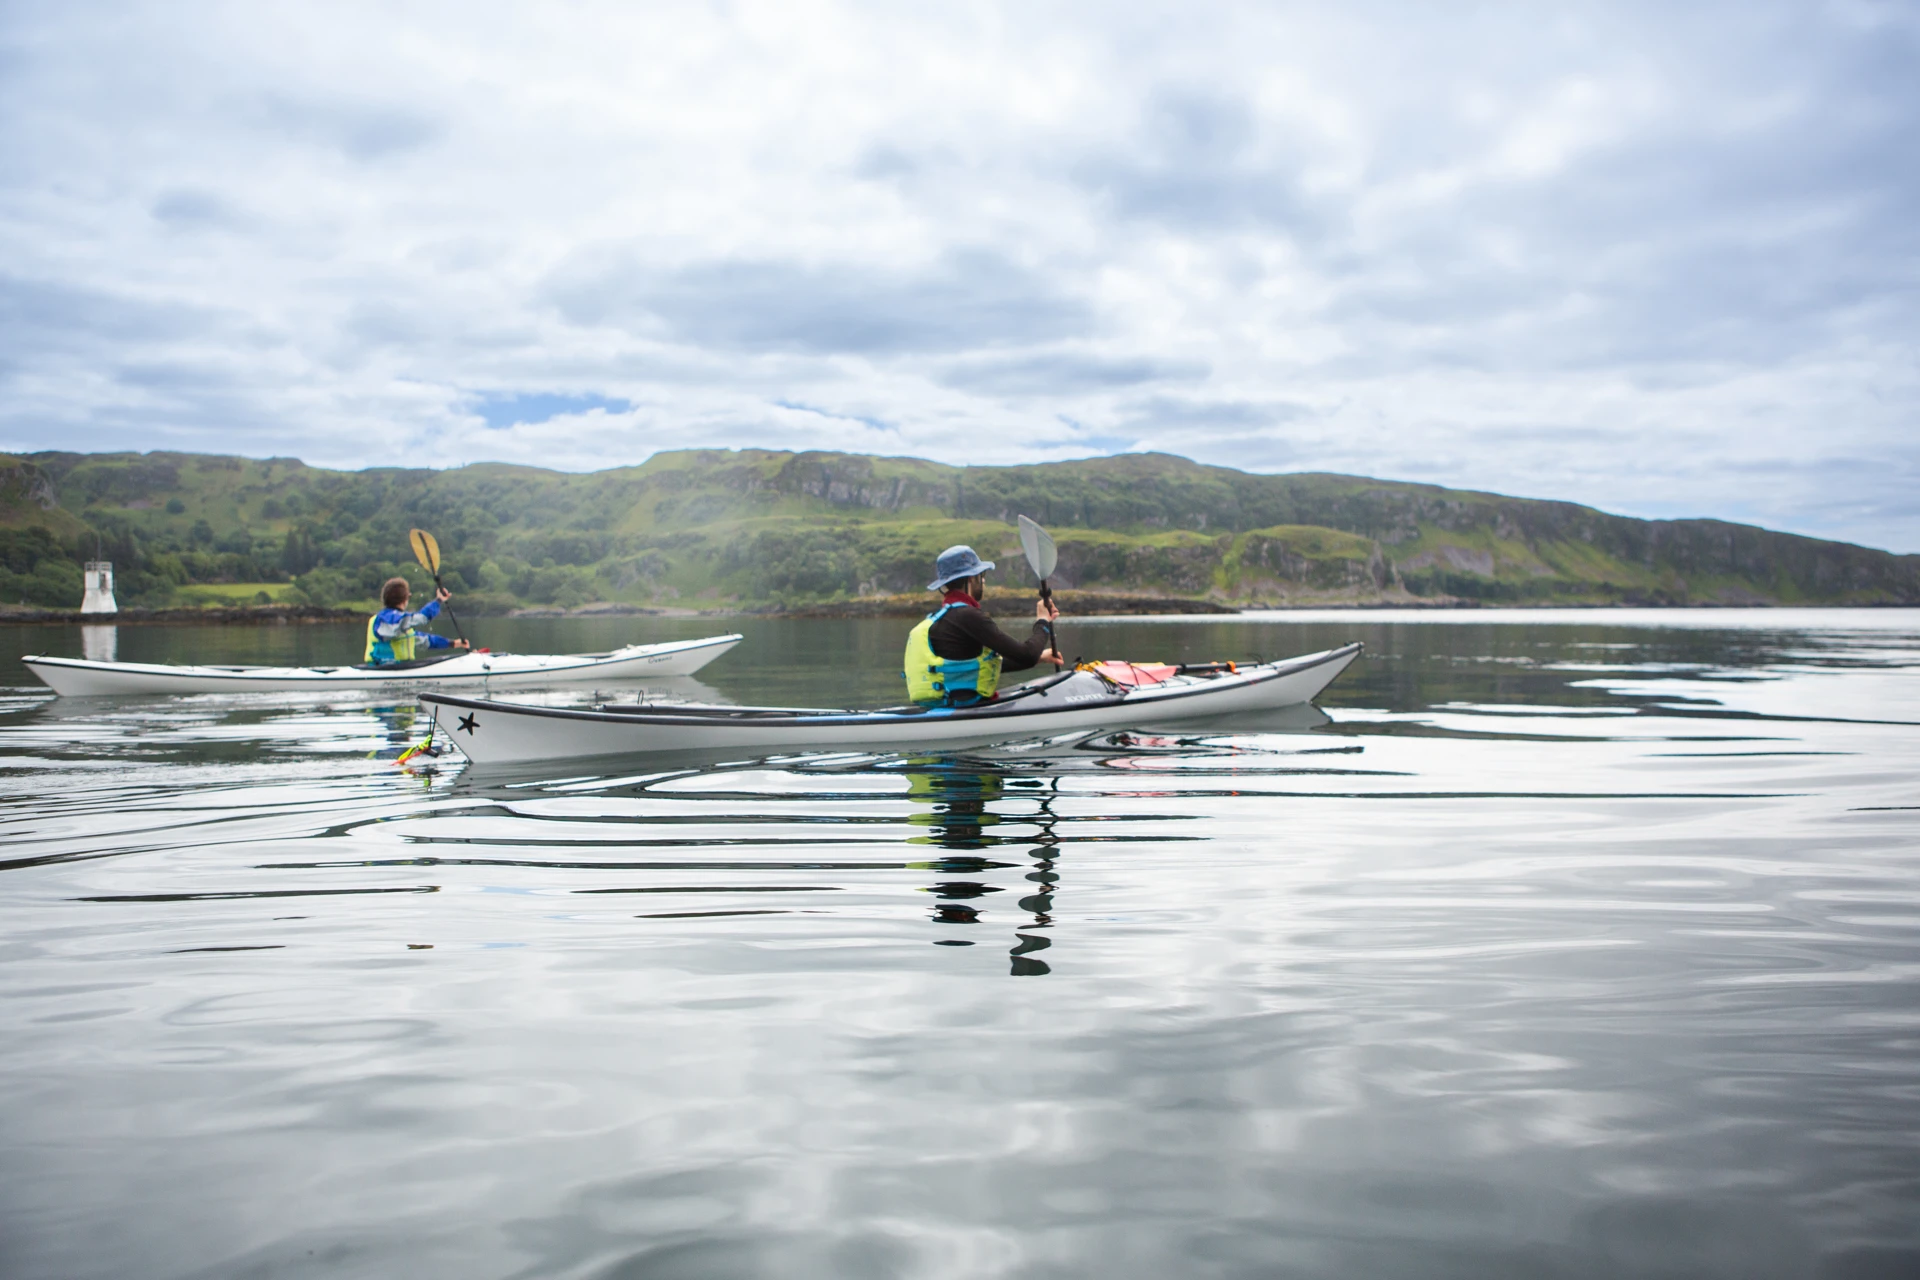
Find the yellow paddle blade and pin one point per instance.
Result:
(425, 550)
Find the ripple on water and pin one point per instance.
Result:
(1562, 948)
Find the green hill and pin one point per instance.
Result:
(756, 528)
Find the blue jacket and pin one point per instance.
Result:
(389, 625)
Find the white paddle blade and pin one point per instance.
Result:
(1038, 544)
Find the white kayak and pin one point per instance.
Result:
(84, 678)
(507, 733)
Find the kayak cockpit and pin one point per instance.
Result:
(713, 711)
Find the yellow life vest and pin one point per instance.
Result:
(398, 649)
(934, 681)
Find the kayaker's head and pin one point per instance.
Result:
(395, 593)
(960, 567)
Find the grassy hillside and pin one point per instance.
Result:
(755, 528)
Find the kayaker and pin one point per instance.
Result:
(391, 632)
(956, 654)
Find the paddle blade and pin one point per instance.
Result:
(425, 550)
(1038, 544)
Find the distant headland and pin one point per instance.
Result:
(715, 531)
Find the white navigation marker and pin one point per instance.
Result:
(99, 596)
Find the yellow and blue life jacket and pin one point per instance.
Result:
(933, 681)
(380, 652)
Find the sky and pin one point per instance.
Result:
(1661, 259)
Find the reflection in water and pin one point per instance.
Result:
(959, 794)
(1573, 949)
(99, 643)
(404, 726)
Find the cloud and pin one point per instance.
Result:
(1662, 259)
(1185, 411)
(43, 318)
(1197, 161)
(188, 209)
(966, 300)
(362, 131)
(1065, 373)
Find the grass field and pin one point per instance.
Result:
(214, 594)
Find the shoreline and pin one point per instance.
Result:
(217, 615)
(1073, 603)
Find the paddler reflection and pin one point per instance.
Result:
(959, 796)
(408, 734)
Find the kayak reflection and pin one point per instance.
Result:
(957, 798)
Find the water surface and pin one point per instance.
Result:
(1570, 944)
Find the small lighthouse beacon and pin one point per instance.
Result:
(99, 596)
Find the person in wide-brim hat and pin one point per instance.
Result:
(955, 656)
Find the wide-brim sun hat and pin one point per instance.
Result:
(956, 562)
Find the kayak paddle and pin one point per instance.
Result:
(1042, 556)
(427, 551)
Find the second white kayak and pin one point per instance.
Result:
(84, 678)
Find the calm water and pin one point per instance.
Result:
(1574, 945)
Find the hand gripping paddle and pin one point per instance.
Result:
(427, 552)
(1042, 556)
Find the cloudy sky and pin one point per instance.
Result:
(1661, 258)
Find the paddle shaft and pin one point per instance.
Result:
(1053, 641)
(448, 606)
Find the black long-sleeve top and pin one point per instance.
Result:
(965, 631)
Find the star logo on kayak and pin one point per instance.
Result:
(468, 723)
